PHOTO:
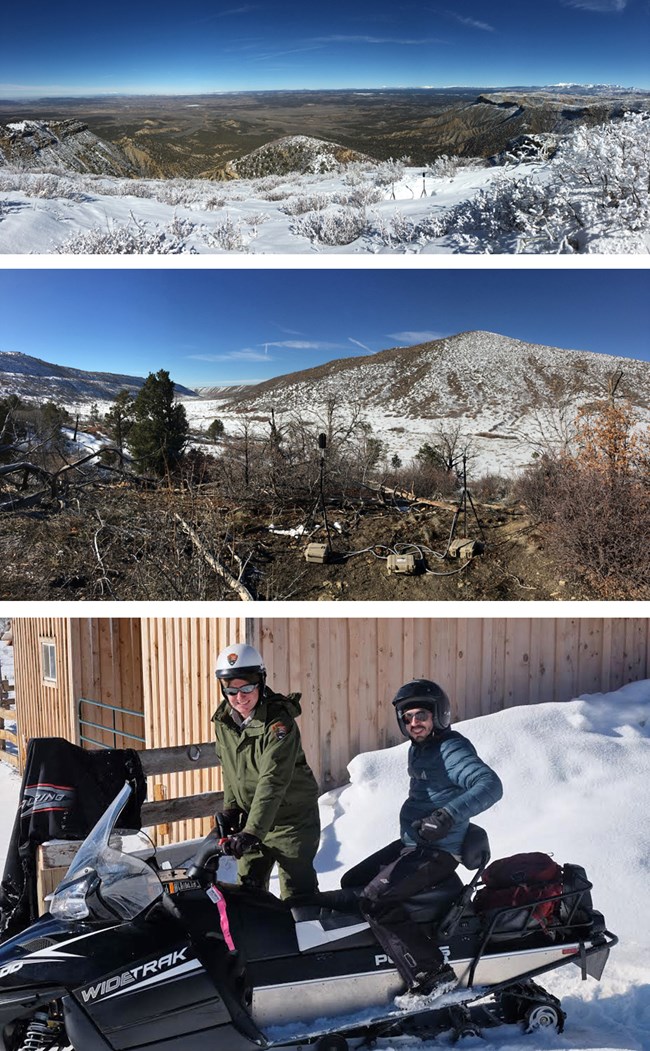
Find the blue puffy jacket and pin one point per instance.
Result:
(445, 771)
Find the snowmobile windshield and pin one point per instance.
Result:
(103, 873)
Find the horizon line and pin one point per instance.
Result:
(285, 90)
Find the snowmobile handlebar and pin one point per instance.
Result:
(206, 860)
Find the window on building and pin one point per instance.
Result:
(48, 660)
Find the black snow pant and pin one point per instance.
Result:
(382, 904)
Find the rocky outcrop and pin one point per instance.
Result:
(61, 146)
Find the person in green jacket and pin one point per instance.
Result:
(270, 813)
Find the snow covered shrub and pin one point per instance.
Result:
(444, 167)
(614, 160)
(181, 228)
(595, 188)
(360, 197)
(302, 205)
(400, 230)
(124, 240)
(44, 186)
(388, 172)
(138, 189)
(331, 228)
(229, 236)
(357, 173)
(261, 187)
(214, 202)
(278, 195)
(256, 219)
(493, 217)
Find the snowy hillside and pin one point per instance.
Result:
(297, 155)
(577, 785)
(32, 378)
(465, 375)
(590, 196)
(508, 398)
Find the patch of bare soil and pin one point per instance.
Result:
(118, 544)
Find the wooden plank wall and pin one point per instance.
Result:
(180, 695)
(106, 659)
(42, 709)
(98, 659)
(348, 670)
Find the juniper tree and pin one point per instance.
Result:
(160, 430)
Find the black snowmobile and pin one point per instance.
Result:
(136, 954)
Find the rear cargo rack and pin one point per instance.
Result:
(566, 931)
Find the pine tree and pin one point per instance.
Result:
(216, 429)
(119, 419)
(160, 431)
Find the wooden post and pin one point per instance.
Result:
(159, 794)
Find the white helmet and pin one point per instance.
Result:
(241, 661)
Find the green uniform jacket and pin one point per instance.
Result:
(265, 771)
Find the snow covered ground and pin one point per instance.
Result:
(592, 196)
(253, 216)
(576, 785)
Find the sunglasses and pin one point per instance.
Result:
(420, 716)
(232, 691)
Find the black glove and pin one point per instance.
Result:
(230, 821)
(239, 844)
(435, 826)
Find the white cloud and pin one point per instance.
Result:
(304, 344)
(412, 338)
(232, 355)
(605, 7)
(473, 24)
(362, 345)
(345, 39)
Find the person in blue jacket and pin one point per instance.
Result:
(449, 784)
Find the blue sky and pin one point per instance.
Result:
(217, 326)
(72, 48)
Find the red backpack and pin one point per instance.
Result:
(521, 880)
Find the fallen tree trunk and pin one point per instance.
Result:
(221, 570)
(19, 503)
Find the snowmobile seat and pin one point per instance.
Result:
(432, 903)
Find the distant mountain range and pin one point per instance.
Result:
(34, 379)
(247, 135)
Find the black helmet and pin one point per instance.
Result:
(423, 693)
